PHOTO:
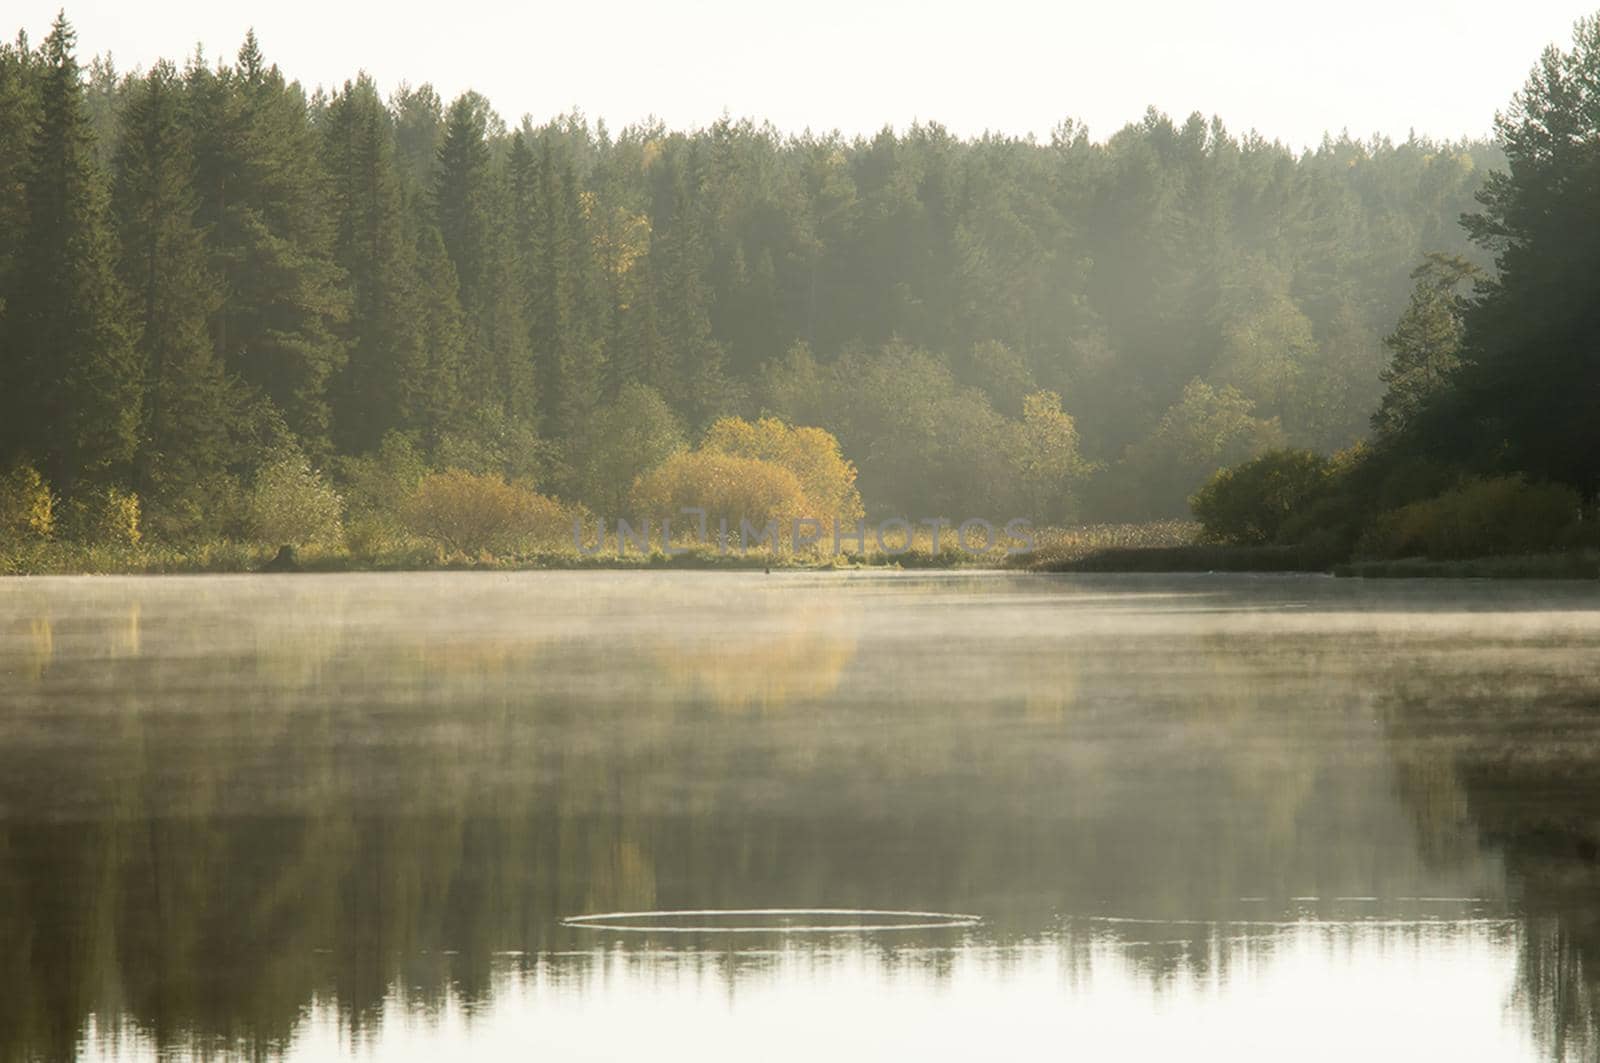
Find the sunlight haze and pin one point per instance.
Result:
(1287, 71)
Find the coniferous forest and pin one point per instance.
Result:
(234, 308)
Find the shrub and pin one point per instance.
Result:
(103, 516)
(727, 487)
(291, 504)
(1249, 504)
(27, 509)
(209, 508)
(474, 512)
(377, 488)
(1481, 518)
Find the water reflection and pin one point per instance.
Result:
(300, 816)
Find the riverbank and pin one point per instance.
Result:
(1153, 547)
(1052, 545)
(1581, 565)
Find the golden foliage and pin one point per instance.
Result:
(472, 513)
(27, 509)
(727, 487)
(811, 454)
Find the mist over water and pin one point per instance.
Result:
(1232, 817)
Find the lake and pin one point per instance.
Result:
(947, 816)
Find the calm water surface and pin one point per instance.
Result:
(1201, 817)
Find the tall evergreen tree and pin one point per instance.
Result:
(418, 130)
(1426, 343)
(73, 379)
(559, 280)
(679, 254)
(1528, 390)
(380, 387)
(19, 104)
(438, 404)
(471, 204)
(263, 205)
(189, 401)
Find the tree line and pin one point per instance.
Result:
(206, 267)
(1486, 440)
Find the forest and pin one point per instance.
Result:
(237, 310)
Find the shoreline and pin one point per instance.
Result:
(1195, 559)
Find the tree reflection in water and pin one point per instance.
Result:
(248, 815)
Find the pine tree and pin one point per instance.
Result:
(74, 377)
(1426, 343)
(189, 401)
(1526, 393)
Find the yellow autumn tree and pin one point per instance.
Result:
(811, 454)
(726, 486)
(472, 513)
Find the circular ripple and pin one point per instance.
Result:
(749, 920)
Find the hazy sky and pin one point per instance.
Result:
(1287, 69)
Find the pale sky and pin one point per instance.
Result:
(1287, 69)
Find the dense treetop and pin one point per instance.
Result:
(205, 267)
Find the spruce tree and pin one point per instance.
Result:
(74, 377)
(189, 402)
(437, 402)
(19, 104)
(471, 206)
(382, 379)
(559, 280)
(679, 257)
(265, 213)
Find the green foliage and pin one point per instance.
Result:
(384, 383)
(1048, 460)
(377, 488)
(471, 203)
(1524, 399)
(1249, 504)
(555, 303)
(1481, 518)
(621, 442)
(928, 446)
(471, 513)
(27, 508)
(190, 405)
(559, 274)
(70, 374)
(493, 442)
(1426, 344)
(261, 186)
(291, 504)
(1206, 429)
